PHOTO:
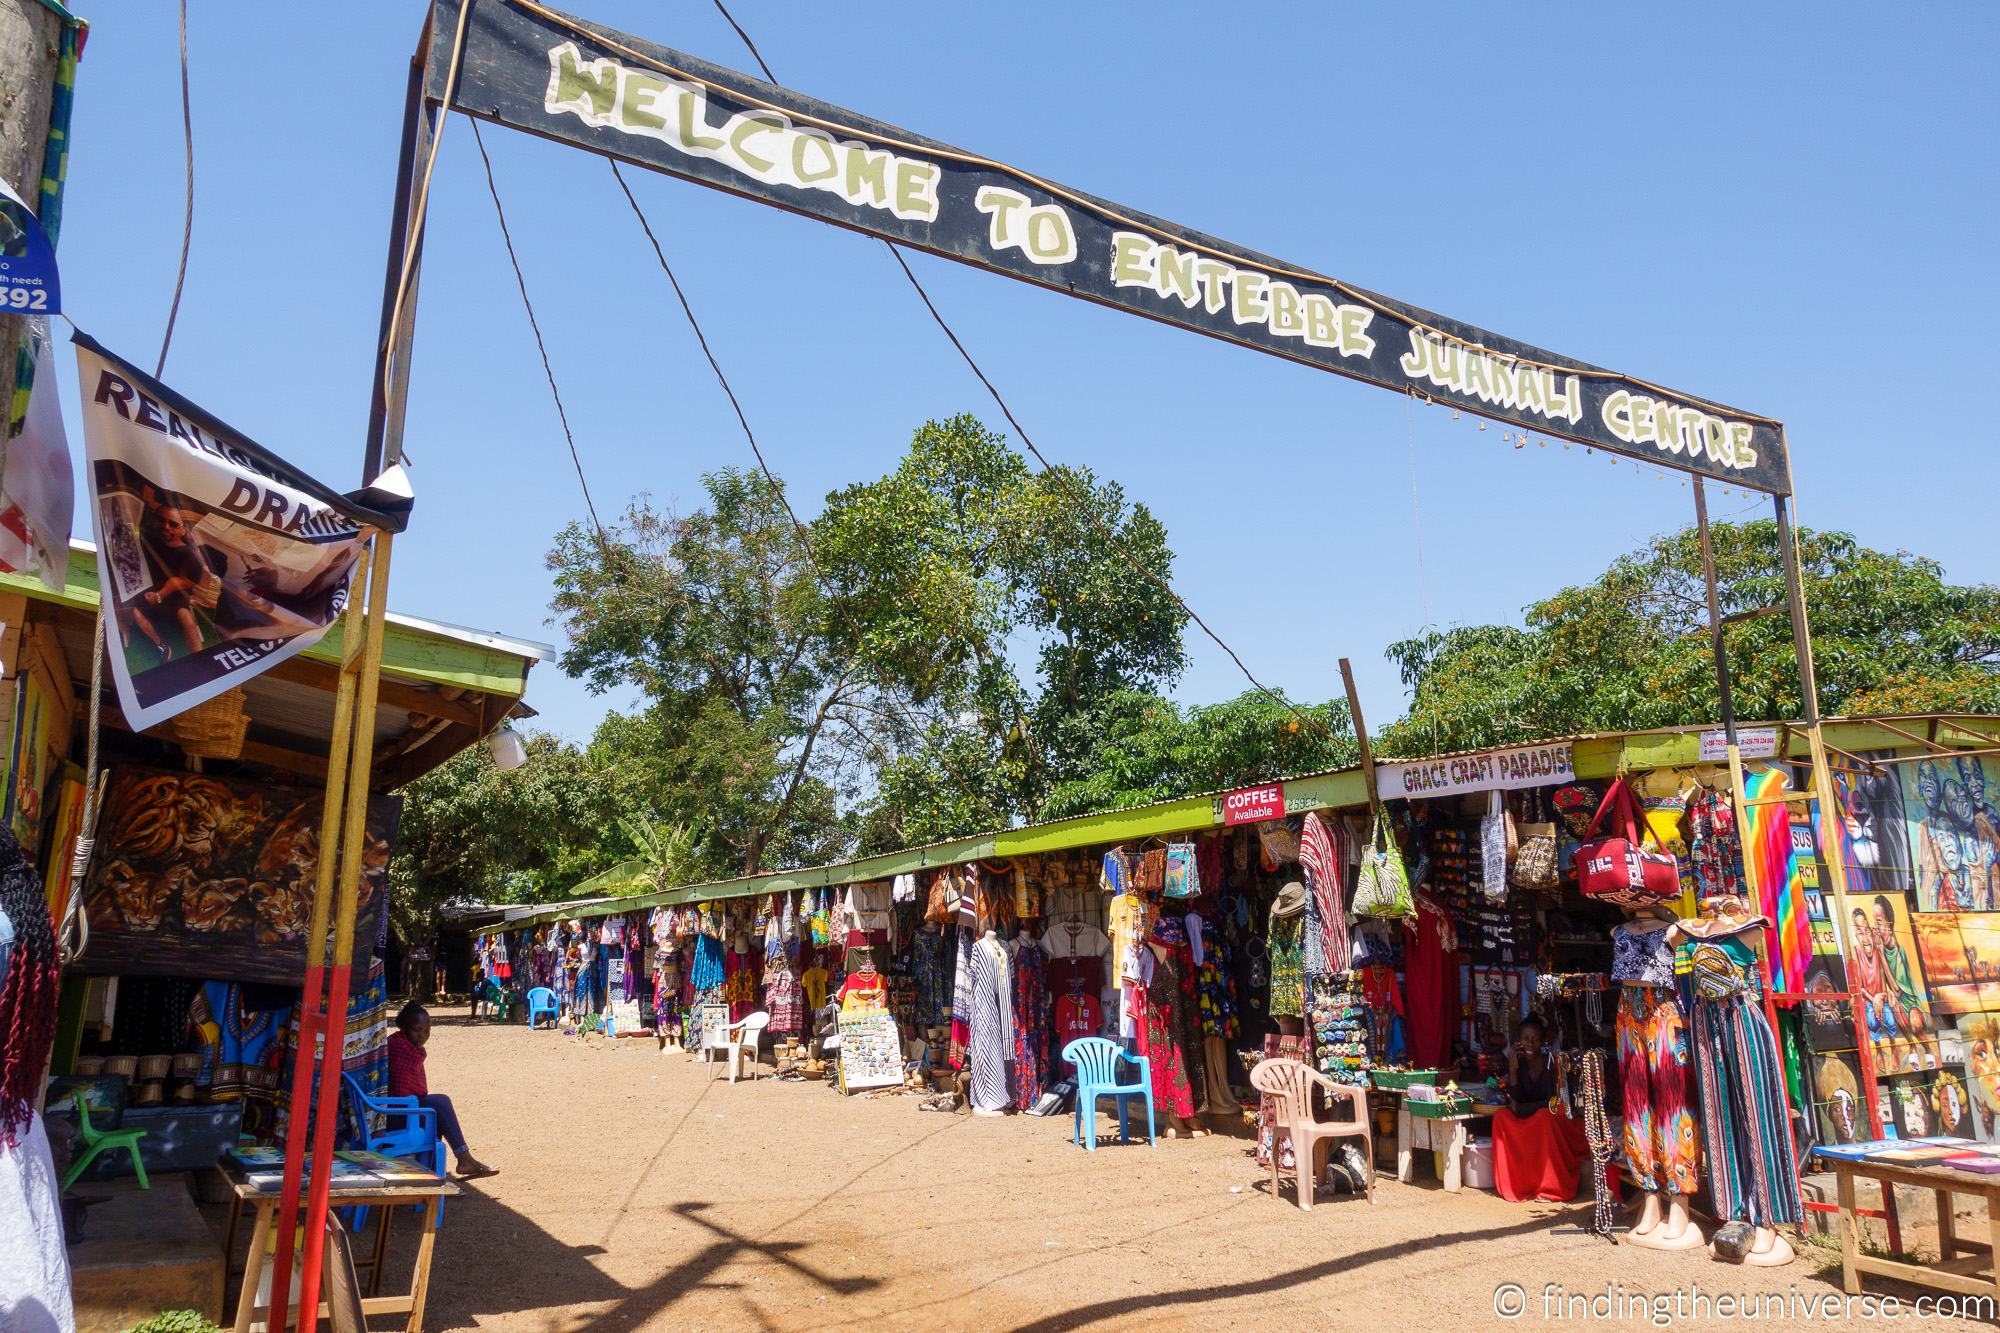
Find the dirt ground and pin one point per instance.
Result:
(638, 1192)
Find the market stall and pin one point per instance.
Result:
(177, 1009)
(1571, 948)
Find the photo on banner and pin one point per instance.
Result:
(1954, 832)
(217, 559)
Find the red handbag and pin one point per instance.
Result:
(1622, 870)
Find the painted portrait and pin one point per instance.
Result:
(1954, 832)
(1884, 973)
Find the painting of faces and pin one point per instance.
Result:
(1877, 846)
(1837, 1101)
(1980, 1035)
(1883, 973)
(1953, 832)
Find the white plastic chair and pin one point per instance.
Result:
(744, 1036)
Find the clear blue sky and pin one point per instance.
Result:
(1788, 208)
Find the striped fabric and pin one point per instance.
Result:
(1751, 1173)
(1321, 863)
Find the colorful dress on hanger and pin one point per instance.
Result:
(1217, 991)
(1288, 976)
(1031, 1025)
(787, 1002)
(1166, 1029)
(741, 973)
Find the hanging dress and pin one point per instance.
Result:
(1031, 1025)
(931, 965)
(991, 1026)
(1165, 1002)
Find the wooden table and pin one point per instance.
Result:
(388, 1198)
(1963, 1266)
(1447, 1134)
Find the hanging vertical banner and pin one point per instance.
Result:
(28, 282)
(528, 66)
(37, 489)
(216, 559)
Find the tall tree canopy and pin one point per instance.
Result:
(756, 706)
(1631, 649)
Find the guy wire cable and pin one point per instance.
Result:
(1062, 477)
(777, 487)
(536, 326)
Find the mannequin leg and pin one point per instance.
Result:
(1649, 1216)
(1220, 1099)
(1769, 1250)
(1674, 1232)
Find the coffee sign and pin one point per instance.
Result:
(1253, 804)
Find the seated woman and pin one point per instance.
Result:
(408, 1079)
(1537, 1154)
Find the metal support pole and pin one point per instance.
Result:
(388, 395)
(1722, 685)
(343, 819)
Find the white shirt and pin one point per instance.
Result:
(1073, 939)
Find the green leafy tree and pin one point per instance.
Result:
(963, 558)
(759, 718)
(1149, 749)
(473, 833)
(1631, 649)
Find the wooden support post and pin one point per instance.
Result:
(1715, 636)
(1360, 730)
(330, 946)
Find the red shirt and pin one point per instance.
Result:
(406, 1067)
(1077, 1016)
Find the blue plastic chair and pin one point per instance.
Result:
(1096, 1060)
(415, 1138)
(542, 1000)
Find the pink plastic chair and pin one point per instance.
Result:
(1291, 1083)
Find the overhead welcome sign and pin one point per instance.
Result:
(538, 70)
(1496, 770)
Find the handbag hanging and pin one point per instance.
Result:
(1183, 880)
(1493, 830)
(1535, 865)
(1622, 870)
(1382, 886)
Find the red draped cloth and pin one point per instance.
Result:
(1540, 1156)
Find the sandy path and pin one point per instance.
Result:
(637, 1193)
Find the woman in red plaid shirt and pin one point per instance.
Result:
(406, 1079)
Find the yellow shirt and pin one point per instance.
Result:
(813, 983)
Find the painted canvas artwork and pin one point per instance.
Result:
(1883, 974)
(1961, 959)
(1953, 832)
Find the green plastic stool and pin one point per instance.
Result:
(96, 1141)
